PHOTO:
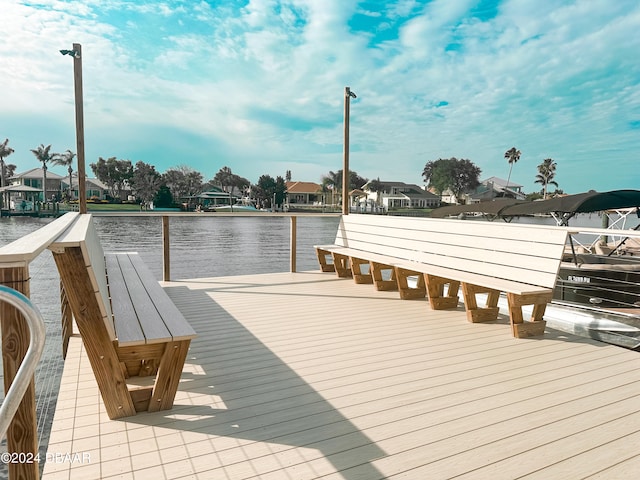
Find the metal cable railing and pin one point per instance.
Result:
(27, 367)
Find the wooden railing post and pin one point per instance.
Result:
(293, 242)
(166, 254)
(22, 435)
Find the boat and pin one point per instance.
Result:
(241, 205)
(600, 271)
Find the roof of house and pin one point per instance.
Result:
(302, 187)
(37, 173)
(500, 182)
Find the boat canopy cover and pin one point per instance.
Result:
(570, 204)
(580, 203)
(489, 208)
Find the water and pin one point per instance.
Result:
(200, 247)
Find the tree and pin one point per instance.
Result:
(5, 151)
(182, 181)
(44, 155)
(287, 176)
(66, 160)
(333, 181)
(224, 178)
(546, 173)
(114, 173)
(264, 189)
(512, 155)
(376, 186)
(145, 181)
(280, 190)
(459, 176)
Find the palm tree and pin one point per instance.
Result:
(376, 186)
(333, 183)
(546, 172)
(5, 151)
(43, 155)
(224, 178)
(512, 155)
(66, 160)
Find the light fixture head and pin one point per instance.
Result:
(72, 53)
(352, 95)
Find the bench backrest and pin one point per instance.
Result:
(83, 234)
(524, 253)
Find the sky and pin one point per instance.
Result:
(258, 85)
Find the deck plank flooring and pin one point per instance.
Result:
(301, 376)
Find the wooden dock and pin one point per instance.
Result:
(303, 375)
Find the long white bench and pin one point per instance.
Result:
(482, 257)
(135, 337)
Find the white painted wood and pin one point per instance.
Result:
(30, 246)
(515, 253)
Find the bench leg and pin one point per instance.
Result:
(322, 260)
(536, 325)
(169, 372)
(407, 293)
(383, 285)
(435, 289)
(356, 268)
(342, 265)
(475, 314)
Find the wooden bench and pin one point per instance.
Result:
(134, 336)
(482, 257)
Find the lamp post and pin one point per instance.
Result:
(76, 53)
(348, 95)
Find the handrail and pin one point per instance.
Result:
(36, 345)
(30, 246)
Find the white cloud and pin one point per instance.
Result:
(263, 85)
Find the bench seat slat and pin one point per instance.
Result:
(176, 325)
(146, 313)
(128, 329)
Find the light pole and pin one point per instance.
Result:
(76, 53)
(348, 95)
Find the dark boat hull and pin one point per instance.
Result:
(601, 281)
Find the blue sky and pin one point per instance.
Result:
(258, 85)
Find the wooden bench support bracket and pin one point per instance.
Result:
(536, 325)
(342, 265)
(322, 260)
(406, 292)
(383, 285)
(356, 268)
(435, 290)
(168, 377)
(477, 314)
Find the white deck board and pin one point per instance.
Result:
(309, 376)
